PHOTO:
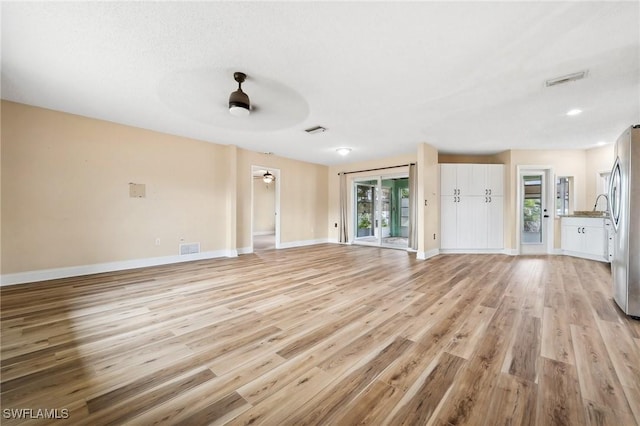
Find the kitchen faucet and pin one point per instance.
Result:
(598, 199)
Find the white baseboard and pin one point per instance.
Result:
(424, 255)
(584, 255)
(475, 251)
(264, 233)
(292, 244)
(74, 271)
(303, 243)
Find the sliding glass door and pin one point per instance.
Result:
(381, 211)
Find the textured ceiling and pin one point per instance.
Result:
(465, 77)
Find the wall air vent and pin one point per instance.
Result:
(316, 129)
(567, 78)
(191, 248)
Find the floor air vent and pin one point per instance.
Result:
(190, 248)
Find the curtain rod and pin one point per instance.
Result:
(379, 168)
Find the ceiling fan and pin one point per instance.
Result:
(239, 104)
(267, 177)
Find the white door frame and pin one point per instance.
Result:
(276, 174)
(549, 204)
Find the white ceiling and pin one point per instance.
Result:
(465, 77)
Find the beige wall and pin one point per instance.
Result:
(65, 191)
(428, 200)
(264, 207)
(477, 159)
(598, 160)
(303, 198)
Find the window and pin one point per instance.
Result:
(563, 186)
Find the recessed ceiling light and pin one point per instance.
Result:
(574, 112)
(343, 151)
(601, 143)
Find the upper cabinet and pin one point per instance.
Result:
(471, 179)
(495, 179)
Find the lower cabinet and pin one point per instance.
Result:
(471, 223)
(585, 237)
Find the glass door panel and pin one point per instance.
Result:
(532, 207)
(385, 212)
(366, 212)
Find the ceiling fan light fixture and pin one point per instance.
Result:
(268, 177)
(343, 151)
(239, 104)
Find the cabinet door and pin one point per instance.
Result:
(448, 225)
(495, 179)
(448, 179)
(594, 240)
(472, 179)
(472, 223)
(495, 223)
(571, 238)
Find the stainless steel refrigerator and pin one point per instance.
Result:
(624, 207)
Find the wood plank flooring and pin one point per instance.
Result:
(326, 334)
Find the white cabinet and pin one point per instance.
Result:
(471, 215)
(495, 179)
(495, 222)
(585, 237)
(448, 180)
(448, 222)
(471, 179)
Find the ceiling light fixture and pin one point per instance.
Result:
(268, 177)
(239, 104)
(573, 112)
(343, 151)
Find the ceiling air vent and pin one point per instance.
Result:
(316, 129)
(566, 78)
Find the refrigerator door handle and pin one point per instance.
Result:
(614, 194)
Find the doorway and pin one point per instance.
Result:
(535, 222)
(265, 208)
(381, 211)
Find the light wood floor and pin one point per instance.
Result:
(327, 334)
